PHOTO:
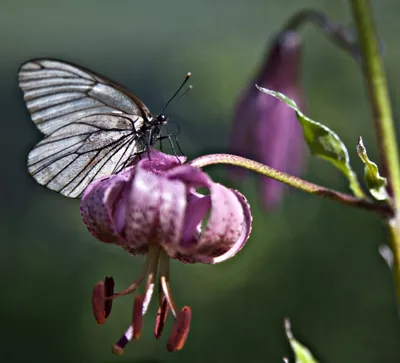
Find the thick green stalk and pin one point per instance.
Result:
(379, 96)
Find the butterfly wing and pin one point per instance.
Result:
(92, 126)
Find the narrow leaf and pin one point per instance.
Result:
(302, 354)
(375, 183)
(322, 142)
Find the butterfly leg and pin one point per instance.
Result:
(172, 145)
(177, 144)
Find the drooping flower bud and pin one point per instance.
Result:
(266, 129)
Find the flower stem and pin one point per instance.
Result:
(292, 181)
(336, 33)
(378, 92)
(394, 230)
(379, 96)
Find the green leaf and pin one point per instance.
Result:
(375, 183)
(323, 142)
(302, 354)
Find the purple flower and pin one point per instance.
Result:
(266, 129)
(153, 208)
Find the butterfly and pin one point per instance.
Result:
(92, 126)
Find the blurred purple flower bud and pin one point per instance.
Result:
(266, 129)
(153, 208)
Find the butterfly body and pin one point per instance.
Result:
(92, 126)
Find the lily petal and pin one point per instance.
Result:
(97, 206)
(141, 210)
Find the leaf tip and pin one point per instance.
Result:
(288, 328)
(360, 146)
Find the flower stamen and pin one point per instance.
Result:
(168, 295)
(154, 255)
(132, 288)
(161, 318)
(137, 316)
(141, 302)
(108, 292)
(99, 303)
(164, 281)
(180, 330)
(118, 347)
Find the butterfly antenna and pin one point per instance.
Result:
(181, 86)
(187, 90)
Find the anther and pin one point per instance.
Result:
(99, 303)
(161, 317)
(180, 330)
(108, 292)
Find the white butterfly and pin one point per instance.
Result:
(92, 126)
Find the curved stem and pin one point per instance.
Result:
(337, 33)
(379, 96)
(292, 181)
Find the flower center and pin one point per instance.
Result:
(103, 296)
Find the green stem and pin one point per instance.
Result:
(394, 230)
(379, 96)
(292, 181)
(378, 91)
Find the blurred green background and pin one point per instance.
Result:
(312, 260)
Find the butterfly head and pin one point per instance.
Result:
(162, 119)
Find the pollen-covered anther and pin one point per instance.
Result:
(180, 330)
(99, 302)
(102, 297)
(162, 314)
(137, 316)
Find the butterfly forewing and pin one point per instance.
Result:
(92, 126)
